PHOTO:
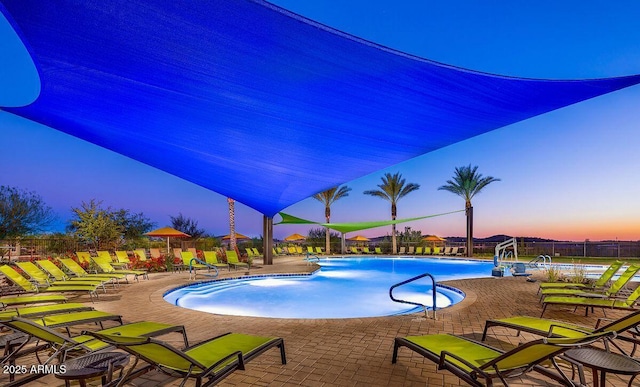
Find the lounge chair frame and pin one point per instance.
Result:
(484, 375)
(556, 329)
(208, 372)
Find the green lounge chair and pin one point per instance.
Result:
(591, 302)
(477, 363)
(427, 250)
(232, 259)
(26, 300)
(62, 345)
(141, 254)
(354, 250)
(378, 251)
(419, 250)
(553, 328)
(83, 256)
(599, 283)
(209, 361)
(122, 259)
(22, 282)
(256, 253)
(55, 272)
(193, 264)
(106, 268)
(106, 256)
(613, 290)
(366, 250)
(42, 279)
(43, 310)
(211, 259)
(310, 250)
(248, 251)
(319, 250)
(78, 271)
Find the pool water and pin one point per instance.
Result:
(342, 288)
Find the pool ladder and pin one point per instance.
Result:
(311, 258)
(424, 307)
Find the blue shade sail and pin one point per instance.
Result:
(252, 101)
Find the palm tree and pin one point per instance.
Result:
(327, 198)
(467, 183)
(392, 189)
(232, 223)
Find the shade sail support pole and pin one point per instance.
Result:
(267, 240)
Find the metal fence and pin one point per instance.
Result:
(42, 247)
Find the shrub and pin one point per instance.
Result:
(553, 274)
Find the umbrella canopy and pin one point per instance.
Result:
(167, 232)
(433, 238)
(295, 237)
(238, 236)
(358, 238)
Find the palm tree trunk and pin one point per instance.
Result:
(327, 233)
(393, 238)
(469, 231)
(232, 223)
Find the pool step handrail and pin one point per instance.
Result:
(424, 307)
(545, 259)
(312, 258)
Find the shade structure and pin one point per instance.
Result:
(199, 91)
(295, 238)
(167, 232)
(238, 236)
(433, 238)
(358, 238)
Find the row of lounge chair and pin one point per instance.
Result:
(36, 329)
(210, 263)
(599, 294)
(420, 250)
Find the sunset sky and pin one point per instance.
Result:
(571, 174)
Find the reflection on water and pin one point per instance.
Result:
(343, 288)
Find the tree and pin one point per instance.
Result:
(134, 226)
(466, 183)
(95, 225)
(107, 228)
(232, 223)
(317, 235)
(187, 226)
(392, 189)
(22, 213)
(327, 198)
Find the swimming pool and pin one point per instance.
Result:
(342, 288)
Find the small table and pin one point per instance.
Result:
(603, 361)
(93, 365)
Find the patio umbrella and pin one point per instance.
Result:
(359, 238)
(295, 237)
(434, 239)
(167, 232)
(238, 236)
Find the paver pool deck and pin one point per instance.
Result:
(339, 352)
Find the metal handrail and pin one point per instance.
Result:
(535, 261)
(311, 256)
(424, 307)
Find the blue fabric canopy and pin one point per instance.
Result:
(252, 101)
